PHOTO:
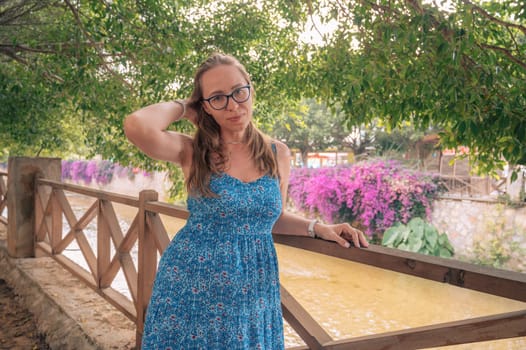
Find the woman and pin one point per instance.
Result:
(217, 285)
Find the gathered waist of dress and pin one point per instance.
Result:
(199, 225)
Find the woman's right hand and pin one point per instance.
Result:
(190, 112)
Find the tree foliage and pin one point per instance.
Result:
(71, 70)
(89, 63)
(463, 70)
(311, 127)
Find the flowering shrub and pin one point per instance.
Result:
(376, 194)
(100, 171)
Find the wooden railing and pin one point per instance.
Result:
(472, 186)
(148, 231)
(3, 197)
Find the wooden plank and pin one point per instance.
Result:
(107, 277)
(503, 283)
(66, 208)
(63, 244)
(71, 219)
(307, 328)
(147, 266)
(130, 273)
(55, 235)
(3, 197)
(3, 186)
(122, 257)
(131, 236)
(120, 302)
(501, 326)
(88, 254)
(125, 261)
(87, 217)
(110, 217)
(77, 227)
(158, 230)
(112, 296)
(68, 264)
(3, 204)
(103, 243)
(167, 209)
(109, 196)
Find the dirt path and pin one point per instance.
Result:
(17, 327)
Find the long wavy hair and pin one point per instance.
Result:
(209, 156)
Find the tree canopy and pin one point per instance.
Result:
(310, 128)
(71, 70)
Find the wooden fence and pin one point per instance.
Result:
(3, 197)
(148, 232)
(472, 186)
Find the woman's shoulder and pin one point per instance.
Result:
(281, 148)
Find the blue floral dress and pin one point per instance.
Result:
(217, 284)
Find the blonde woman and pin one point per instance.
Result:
(217, 285)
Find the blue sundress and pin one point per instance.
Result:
(217, 284)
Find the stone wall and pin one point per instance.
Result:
(488, 225)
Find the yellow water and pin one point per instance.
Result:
(349, 299)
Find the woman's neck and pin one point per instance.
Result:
(234, 138)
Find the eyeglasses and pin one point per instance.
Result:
(219, 102)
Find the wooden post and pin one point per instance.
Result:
(103, 244)
(21, 200)
(147, 267)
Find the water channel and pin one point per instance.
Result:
(348, 299)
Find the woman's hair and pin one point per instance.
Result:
(208, 148)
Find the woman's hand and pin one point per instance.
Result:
(341, 234)
(190, 112)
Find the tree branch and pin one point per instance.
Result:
(20, 10)
(493, 18)
(12, 54)
(506, 52)
(24, 48)
(88, 37)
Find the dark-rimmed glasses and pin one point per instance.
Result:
(219, 102)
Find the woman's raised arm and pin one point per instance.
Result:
(147, 127)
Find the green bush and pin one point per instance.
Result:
(501, 245)
(418, 236)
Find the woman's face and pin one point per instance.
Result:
(225, 80)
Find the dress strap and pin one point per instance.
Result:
(275, 151)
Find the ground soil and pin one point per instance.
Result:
(17, 326)
(18, 330)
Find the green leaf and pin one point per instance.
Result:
(415, 243)
(416, 225)
(404, 235)
(445, 253)
(404, 246)
(431, 236)
(391, 235)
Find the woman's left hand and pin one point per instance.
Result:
(343, 234)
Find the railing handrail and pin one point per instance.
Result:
(505, 283)
(499, 282)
